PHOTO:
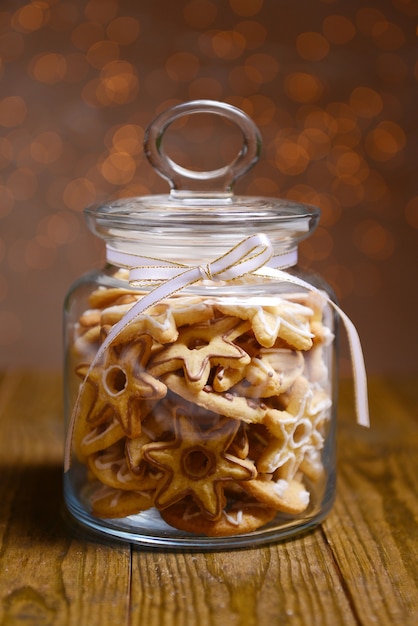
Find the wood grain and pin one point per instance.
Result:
(358, 568)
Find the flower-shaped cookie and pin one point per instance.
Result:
(199, 347)
(197, 463)
(122, 385)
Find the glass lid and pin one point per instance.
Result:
(201, 202)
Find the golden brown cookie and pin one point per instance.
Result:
(107, 502)
(282, 495)
(158, 322)
(277, 318)
(197, 463)
(249, 410)
(123, 387)
(200, 347)
(239, 518)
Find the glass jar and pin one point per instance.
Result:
(200, 369)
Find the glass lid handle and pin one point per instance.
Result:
(218, 182)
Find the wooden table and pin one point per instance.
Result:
(359, 568)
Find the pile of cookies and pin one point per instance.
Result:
(213, 411)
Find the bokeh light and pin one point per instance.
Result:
(332, 87)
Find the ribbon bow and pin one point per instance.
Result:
(253, 255)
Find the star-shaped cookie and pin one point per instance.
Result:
(197, 463)
(199, 348)
(279, 318)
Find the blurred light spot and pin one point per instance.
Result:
(12, 46)
(46, 148)
(205, 88)
(123, 30)
(22, 183)
(316, 143)
(13, 111)
(374, 240)
(411, 212)
(86, 34)
(385, 141)
(227, 44)
(101, 53)
(366, 102)
(317, 118)
(346, 163)
(120, 81)
(79, 194)
(10, 328)
(338, 29)
(118, 168)
(200, 14)
(345, 119)
(262, 186)
(246, 8)
(253, 32)
(58, 229)
(312, 46)
(30, 17)
(117, 84)
(387, 35)
(303, 87)
(49, 67)
(367, 18)
(182, 67)
(101, 10)
(291, 157)
(261, 108)
(391, 68)
(263, 67)
(6, 201)
(128, 138)
(348, 190)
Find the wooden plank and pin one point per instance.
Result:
(294, 582)
(374, 533)
(359, 567)
(47, 575)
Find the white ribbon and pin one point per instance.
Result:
(253, 255)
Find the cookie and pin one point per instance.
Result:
(90, 439)
(197, 463)
(282, 495)
(107, 502)
(123, 387)
(199, 348)
(248, 410)
(239, 518)
(158, 322)
(277, 318)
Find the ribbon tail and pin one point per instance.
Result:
(358, 367)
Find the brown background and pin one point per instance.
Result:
(331, 85)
